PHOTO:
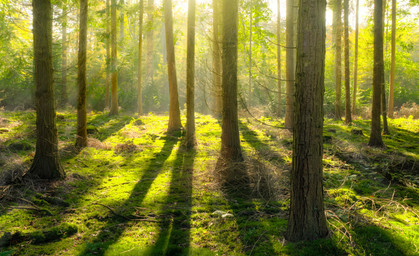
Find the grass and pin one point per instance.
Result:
(135, 190)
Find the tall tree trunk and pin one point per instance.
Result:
(337, 24)
(114, 77)
(140, 56)
(290, 65)
(249, 99)
(174, 112)
(149, 39)
(122, 20)
(355, 59)
(108, 55)
(64, 98)
(46, 163)
(190, 77)
(393, 60)
(278, 54)
(230, 141)
(216, 58)
(378, 71)
(383, 85)
(81, 137)
(307, 220)
(348, 116)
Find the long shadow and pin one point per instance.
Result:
(104, 130)
(174, 237)
(111, 232)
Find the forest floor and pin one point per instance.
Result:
(135, 190)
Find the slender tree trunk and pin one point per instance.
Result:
(190, 77)
(108, 55)
(64, 98)
(230, 141)
(348, 116)
(122, 20)
(149, 38)
(307, 220)
(46, 163)
(355, 59)
(216, 58)
(393, 60)
(174, 112)
(375, 137)
(337, 20)
(249, 99)
(114, 74)
(290, 65)
(278, 54)
(81, 137)
(140, 56)
(383, 86)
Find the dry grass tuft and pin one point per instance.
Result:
(127, 147)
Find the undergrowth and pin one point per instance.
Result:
(135, 190)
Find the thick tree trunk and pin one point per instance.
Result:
(290, 65)
(348, 116)
(278, 54)
(114, 76)
(64, 98)
(108, 55)
(307, 220)
(174, 112)
(149, 39)
(216, 58)
(190, 77)
(378, 71)
(46, 163)
(355, 59)
(230, 140)
(337, 24)
(140, 56)
(393, 60)
(81, 137)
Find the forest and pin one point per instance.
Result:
(209, 127)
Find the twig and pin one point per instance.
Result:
(129, 218)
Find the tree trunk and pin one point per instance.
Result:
(355, 58)
(290, 65)
(383, 85)
(249, 99)
(108, 57)
(337, 24)
(278, 54)
(190, 76)
(149, 38)
(121, 20)
(216, 58)
(378, 71)
(307, 220)
(140, 56)
(81, 137)
(64, 98)
(348, 116)
(174, 112)
(114, 77)
(393, 60)
(230, 140)
(46, 163)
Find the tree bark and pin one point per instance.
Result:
(140, 56)
(393, 60)
(355, 59)
(114, 74)
(348, 115)
(278, 54)
(174, 112)
(383, 85)
(378, 71)
(108, 55)
(290, 65)
(307, 220)
(190, 77)
(64, 97)
(337, 24)
(46, 163)
(81, 137)
(216, 58)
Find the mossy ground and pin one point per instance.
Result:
(135, 190)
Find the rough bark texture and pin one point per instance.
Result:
(190, 140)
(378, 71)
(108, 54)
(140, 56)
(81, 137)
(337, 24)
(149, 39)
(114, 74)
(216, 58)
(290, 65)
(307, 220)
(393, 60)
(64, 98)
(230, 140)
(174, 112)
(355, 59)
(278, 54)
(46, 163)
(348, 116)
